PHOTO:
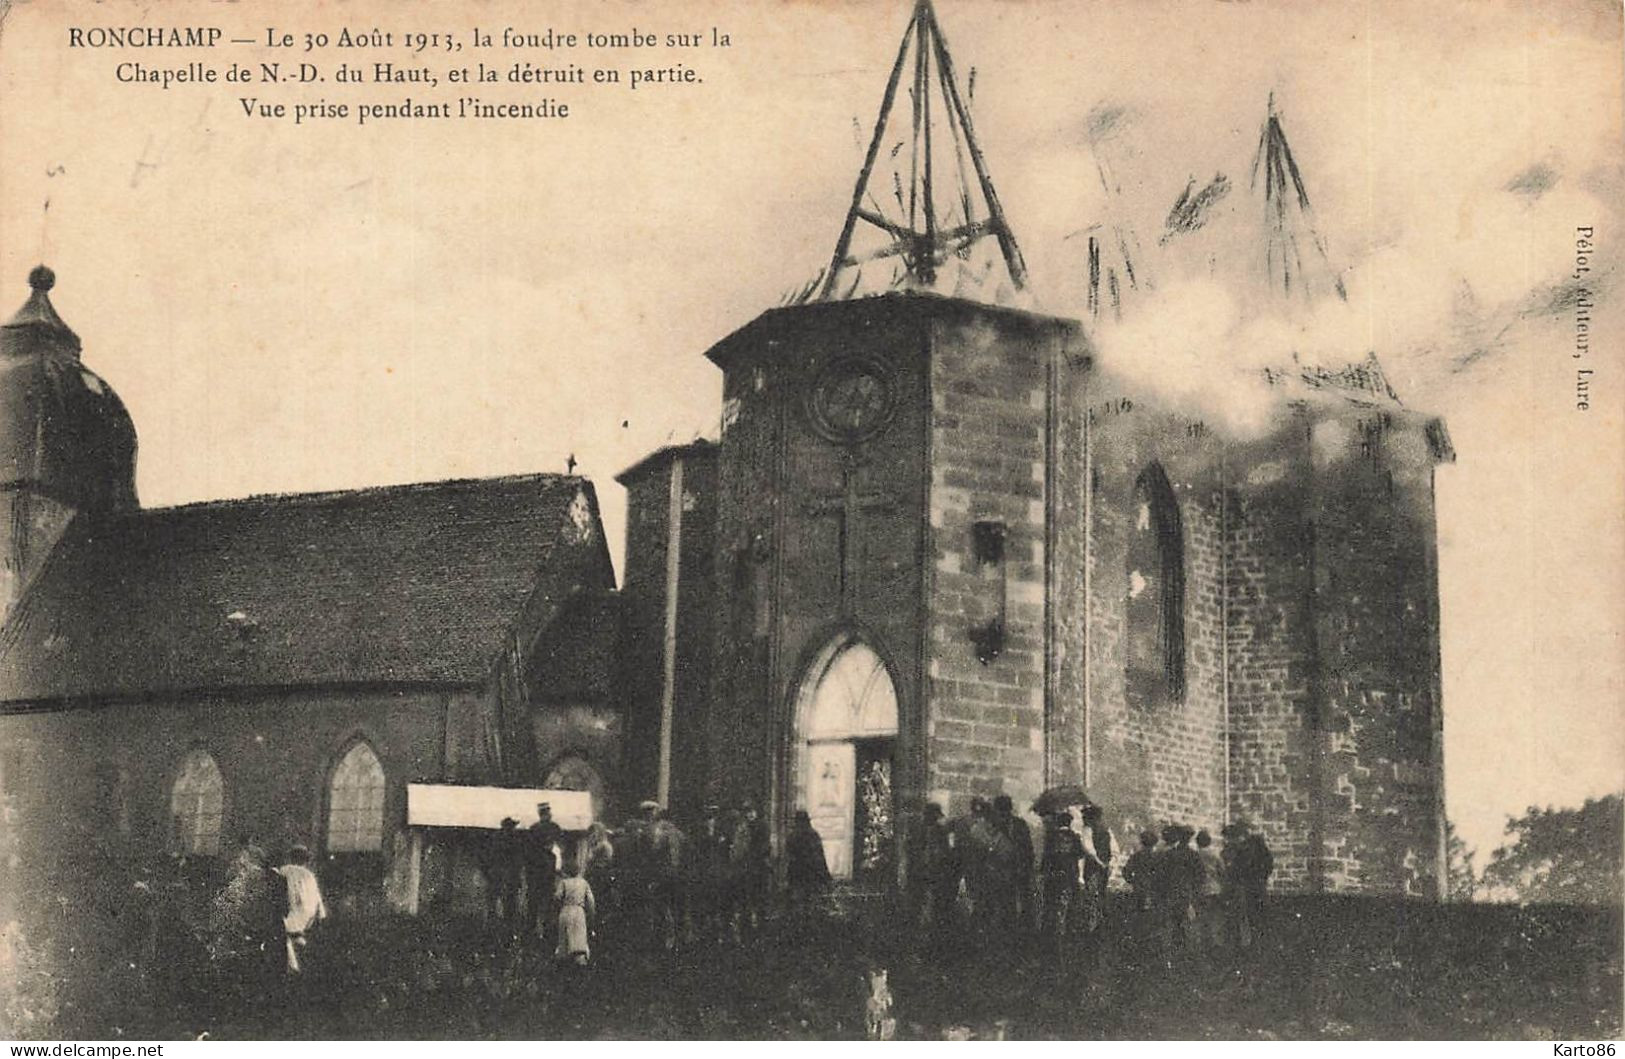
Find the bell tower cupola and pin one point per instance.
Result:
(67, 445)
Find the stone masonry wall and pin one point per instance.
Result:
(1153, 762)
(1274, 749)
(989, 401)
(1377, 625)
(1334, 651)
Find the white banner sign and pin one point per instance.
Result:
(440, 805)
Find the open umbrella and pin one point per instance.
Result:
(1063, 796)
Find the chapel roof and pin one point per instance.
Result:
(412, 584)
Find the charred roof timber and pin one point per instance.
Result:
(921, 230)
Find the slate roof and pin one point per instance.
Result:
(403, 584)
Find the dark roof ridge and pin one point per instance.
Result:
(391, 489)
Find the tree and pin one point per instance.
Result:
(1562, 856)
(1461, 878)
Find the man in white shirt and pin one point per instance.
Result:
(305, 905)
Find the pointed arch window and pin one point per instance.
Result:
(854, 698)
(197, 805)
(355, 803)
(1154, 560)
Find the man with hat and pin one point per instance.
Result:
(543, 841)
(932, 883)
(507, 871)
(634, 858)
(751, 856)
(708, 876)
(1182, 875)
(1063, 851)
(1015, 848)
(1141, 871)
(1248, 864)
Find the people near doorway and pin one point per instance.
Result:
(1210, 908)
(305, 907)
(577, 909)
(1058, 872)
(542, 845)
(1248, 864)
(933, 885)
(506, 872)
(1099, 850)
(805, 868)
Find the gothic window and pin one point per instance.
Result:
(355, 803)
(573, 772)
(1154, 655)
(197, 805)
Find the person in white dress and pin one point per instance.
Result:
(574, 900)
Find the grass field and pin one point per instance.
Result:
(1323, 968)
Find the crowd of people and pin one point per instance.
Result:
(980, 877)
(648, 878)
(980, 881)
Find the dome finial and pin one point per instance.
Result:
(42, 278)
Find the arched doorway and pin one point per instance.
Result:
(846, 740)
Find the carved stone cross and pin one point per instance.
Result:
(847, 506)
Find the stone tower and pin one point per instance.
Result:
(952, 558)
(886, 620)
(67, 446)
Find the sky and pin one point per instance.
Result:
(325, 306)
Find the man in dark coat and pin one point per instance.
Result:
(1063, 851)
(507, 870)
(806, 871)
(932, 882)
(543, 840)
(1248, 865)
(1182, 877)
(667, 856)
(1020, 851)
(1140, 872)
(708, 876)
(752, 856)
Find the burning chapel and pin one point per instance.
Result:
(936, 551)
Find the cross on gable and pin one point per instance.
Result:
(846, 506)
